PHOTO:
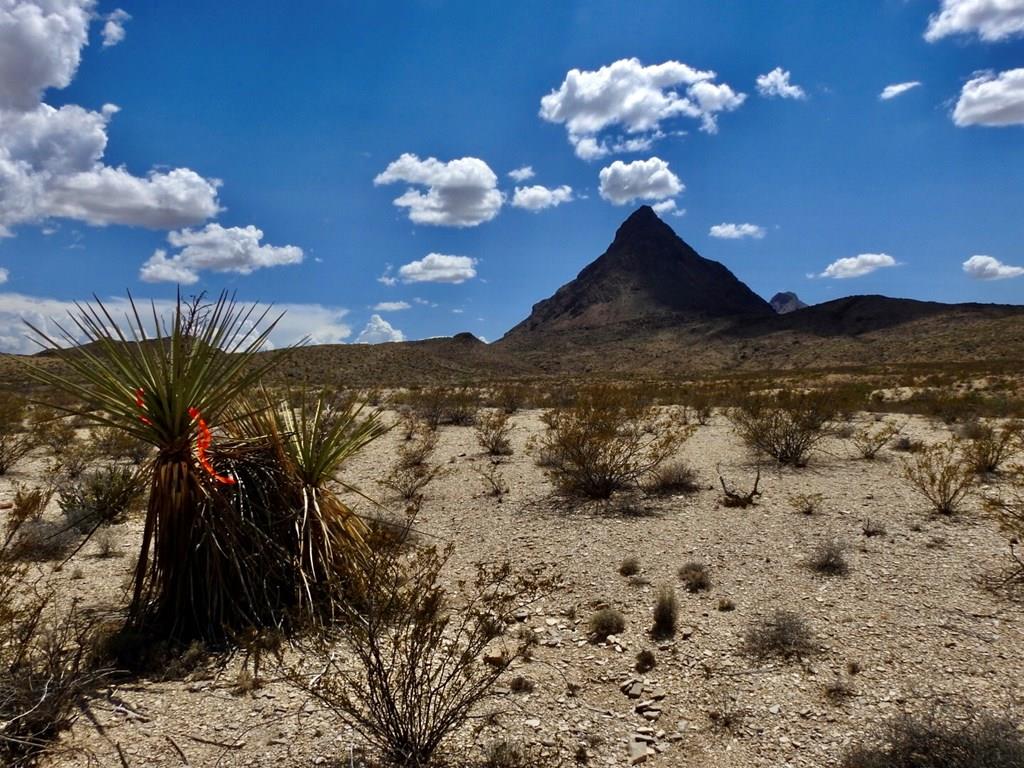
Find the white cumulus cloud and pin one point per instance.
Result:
(459, 193)
(668, 207)
(318, 323)
(113, 29)
(990, 20)
(856, 266)
(736, 231)
(438, 268)
(537, 197)
(522, 174)
(897, 89)
(4, 275)
(51, 160)
(391, 306)
(636, 99)
(776, 84)
(378, 331)
(989, 268)
(992, 100)
(650, 179)
(215, 248)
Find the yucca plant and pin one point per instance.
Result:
(313, 436)
(204, 524)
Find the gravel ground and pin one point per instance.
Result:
(912, 615)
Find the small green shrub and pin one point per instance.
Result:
(492, 432)
(787, 426)
(605, 622)
(941, 475)
(102, 497)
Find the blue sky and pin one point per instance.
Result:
(145, 144)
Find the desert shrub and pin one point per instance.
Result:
(666, 614)
(492, 432)
(15, 443)
(506, 754)
(53, 429)
(941, 475)
(989, 447)
(425, 657)
(695, 577)
(1009, 510)
(30, 501)
(445, 405)
(645, 661)
(630, 566)
(786, 427)
(941, 739)
(837, 690)
(807, 503)
(829, 559)
(672, 477)
(102, 497)
(907, 444)
(725, 605)
(113, 443)
(413, 470)
(521, 684)
(510, 397)
(46, 662)
(106, 545)
(869, 442)
(494, 482)
(605, 622)
(605, 442)
(783, 634)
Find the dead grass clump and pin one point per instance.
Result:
(869, 442)
(506, 754)
(783, 634)
(829, 559)
(521, 684)
(495, 484)
(695, 577)
(941, 475)
(986, 451)
(645, 661)
(871, 528)
(666, 614)
(413, 470)
(492, 432)
(629, 566)
(605, 442)
(671, 478)
(971, 739)
(786, 427)
(605, 622)
(807, 503)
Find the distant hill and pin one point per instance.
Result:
(785, 302)
(650, 305)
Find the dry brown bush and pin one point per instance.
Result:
(606, 442)
(492, 432)
(869, 441)
(783, 634)
(786, 426)
(989, 447)
(941, 475)
(15, 441)
(425, 656)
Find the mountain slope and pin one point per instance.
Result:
(648, 278)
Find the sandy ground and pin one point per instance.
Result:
(911, 613)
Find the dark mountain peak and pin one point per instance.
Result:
(785, 302)
(648, 278)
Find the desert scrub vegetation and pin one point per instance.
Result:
(1008, 508)
(414, 468)
(941, 475)
(988, 447)
(492, 433)
(241, 527)
(606, 622)
(783, 634)
(786, 426)
(672, 477)
(829, 558)
(695, 577)
(425, 657)
(102, 496)
(47, 665)
(807, 504)
(605, 442)
(870, 440)
(666, 614)
(940, 738)
(15, 440)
